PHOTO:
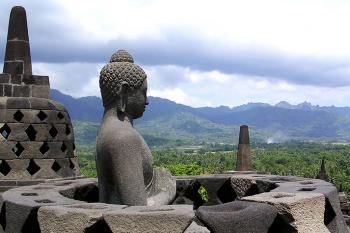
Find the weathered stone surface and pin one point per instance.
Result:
(333, 216)
(143, 219)
(238, 216)
(243, 186)
(303, 211)
(5, 78)
(3, 101)
(22, 205)
(75, 218)
(41, 91)
(16, 78)
(17, 47)
(163, 188)
(123, 159)
(187, 192)
(195, 228)
(17, 103)
(21, 91)
(13, 67)
(6, 149)
(7, 90)
(244, 162)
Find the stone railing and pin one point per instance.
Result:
(261, 203)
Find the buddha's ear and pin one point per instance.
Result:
(123, 93)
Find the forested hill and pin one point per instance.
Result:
(167, 120)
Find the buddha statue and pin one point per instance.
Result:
(123, 159)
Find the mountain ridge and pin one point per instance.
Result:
(167, 120)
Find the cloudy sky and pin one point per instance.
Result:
(199, 53)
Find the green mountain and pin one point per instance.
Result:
(168, 123)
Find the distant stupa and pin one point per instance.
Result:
(322, 174)
(244, 162)
(36, 133)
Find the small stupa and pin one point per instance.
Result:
(244, 162)
(36, 133)
(322, 174)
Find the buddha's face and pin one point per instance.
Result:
(137, 101)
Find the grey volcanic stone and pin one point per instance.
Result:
(76, 218)
(333, 217)
(17, 47)
(195, 228)
(145, 219)
(163, 188)
(123, 159)
(238, 216)
(244, 162)
(23, 203)
(303, 211)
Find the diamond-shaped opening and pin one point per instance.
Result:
(18, 116)
(60, 115)
(5, 131)
(55, 166)
(63, 147)
(71, 164)
(31, 133)
(32, 167)
(226, 192)
(44, 148)
(42, 115)
(99, 226)
(18, 149)
(53, 132)
(4, 168)
(67, 130)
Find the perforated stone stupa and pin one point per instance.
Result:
(36, 133)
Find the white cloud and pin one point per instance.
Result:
(311, 35)
(76, 79)
(297, 27)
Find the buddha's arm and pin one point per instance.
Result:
(120, 161)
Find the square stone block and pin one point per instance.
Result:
(39, 103)
(13, 67)
(21, 91)
(41, 80)
(8, 90)
(77, 218)
(41, 91)
(16, 79)
(145, 219)
(3, 101)
(18, 103)
(28, 79)
(2, 90)
(303, 211)
(5, 78)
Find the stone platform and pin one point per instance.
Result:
(268, 203)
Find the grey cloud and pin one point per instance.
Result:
(53, 42)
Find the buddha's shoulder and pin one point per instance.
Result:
(121, 133)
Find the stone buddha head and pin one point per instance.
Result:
(123, 85)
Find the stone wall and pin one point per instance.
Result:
(236, 203)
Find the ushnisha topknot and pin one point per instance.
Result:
(121, 69)
(121, 56)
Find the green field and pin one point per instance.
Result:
(293, 158)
